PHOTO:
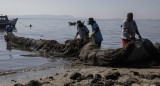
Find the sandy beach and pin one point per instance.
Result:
(83, 75)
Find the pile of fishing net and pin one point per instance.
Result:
(52, 46)
(139, 51)
(136, 52)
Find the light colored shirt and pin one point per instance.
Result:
(97, 35)
(131, 26)
(83, 31)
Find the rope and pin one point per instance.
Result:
(30, 26)
(22, 23)
(26, 25)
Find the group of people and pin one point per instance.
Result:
(129, 29)
(83, 31)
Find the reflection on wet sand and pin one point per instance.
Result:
(14, 59)
(10, 47)
(52, 62)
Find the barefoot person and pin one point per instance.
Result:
(96, 33)
(129, 29)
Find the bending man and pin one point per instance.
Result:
(82, 30)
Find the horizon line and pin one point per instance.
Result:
(79, 17)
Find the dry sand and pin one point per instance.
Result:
(146, 77)
(106, 77)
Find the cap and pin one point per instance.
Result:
(90, 19)
(79, 22)
(130, 14)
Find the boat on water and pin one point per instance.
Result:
(4, 21)
(72, 23)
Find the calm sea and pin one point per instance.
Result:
(58, 29)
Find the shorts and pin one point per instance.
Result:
(124, 42)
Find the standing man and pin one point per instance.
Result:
(9, 28)
(82, 30)
(96, 33)
(129, 28)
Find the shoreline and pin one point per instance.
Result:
(8, 78)
(89, 76)
(24, 77)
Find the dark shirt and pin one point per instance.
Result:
(9, 28)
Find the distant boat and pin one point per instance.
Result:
(72, 23)
(4, 21)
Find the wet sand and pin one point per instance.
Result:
(9, 78)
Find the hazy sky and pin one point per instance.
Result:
(108, 9)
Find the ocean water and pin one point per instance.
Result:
(58, 29)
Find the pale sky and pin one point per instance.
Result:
(105, 9)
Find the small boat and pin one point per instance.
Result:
(72, 23)
(4, 21)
